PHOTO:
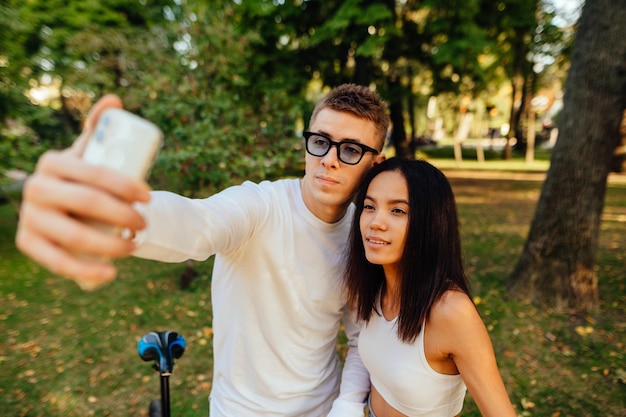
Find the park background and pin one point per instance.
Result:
(475, 87)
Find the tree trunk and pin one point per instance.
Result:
(396, 114)
(411, 112)
(556, 268)
(517, 88)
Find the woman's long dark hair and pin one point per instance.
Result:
(432, 260)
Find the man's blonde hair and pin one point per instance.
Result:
(361, 102)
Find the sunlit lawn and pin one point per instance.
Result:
(69, 353)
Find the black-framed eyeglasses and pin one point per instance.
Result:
(351, 153)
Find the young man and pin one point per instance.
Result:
(277, 281)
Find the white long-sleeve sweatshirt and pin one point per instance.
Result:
(276, 295)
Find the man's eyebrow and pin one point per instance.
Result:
(341, 140)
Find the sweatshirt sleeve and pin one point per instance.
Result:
(181, 228)
(355, 381)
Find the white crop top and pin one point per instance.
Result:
(402, 375)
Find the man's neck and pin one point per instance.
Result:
(325, 212)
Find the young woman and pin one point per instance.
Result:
(423, 341)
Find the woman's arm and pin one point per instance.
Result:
(462, 334)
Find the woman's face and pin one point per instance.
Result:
(385, 219)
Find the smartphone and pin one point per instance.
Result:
(124, 141)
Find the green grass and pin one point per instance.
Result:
(65, 352)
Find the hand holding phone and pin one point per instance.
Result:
(127, 143)
(124, 141)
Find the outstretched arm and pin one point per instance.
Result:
(64, 188)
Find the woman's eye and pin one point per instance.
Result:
(398, 211)
(368, 207)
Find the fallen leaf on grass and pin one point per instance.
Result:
(527, 404)
(583, 331)
(30, 346)
(207, 331)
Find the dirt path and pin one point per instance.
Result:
(614, 178)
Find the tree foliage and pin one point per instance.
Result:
(261, 62)
(224, 79)
(185, 65)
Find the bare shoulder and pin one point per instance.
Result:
(453, 328)
(453, 310)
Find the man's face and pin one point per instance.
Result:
(329, 184)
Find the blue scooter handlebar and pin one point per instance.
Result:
(162, 348)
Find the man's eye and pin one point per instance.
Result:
(319, 141)
(351, 149)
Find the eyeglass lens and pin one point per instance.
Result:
(349, 153)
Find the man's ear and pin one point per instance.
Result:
(379, 158)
